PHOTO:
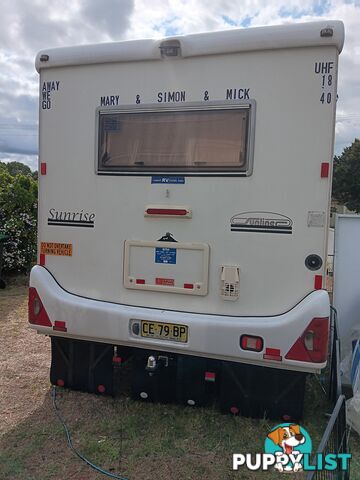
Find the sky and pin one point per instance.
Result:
(27, 26)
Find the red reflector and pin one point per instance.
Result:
(60, 326)
(101, 389)
(60, 382)
(325, 168)
(251, 342)
(312, 346)
(318, 281)
(42, 259)
(234, 410)
(117, 359)
(272, 354)
(43, 168)
(210, 376)
(36, 311)
(166, 211)
(189, 285)
(140, 281)
(273, 351)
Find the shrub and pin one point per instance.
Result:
(18, 213)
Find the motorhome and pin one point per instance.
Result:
(183, 214)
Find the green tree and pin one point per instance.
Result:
(15, 168)
(18, 212)
(346, 177)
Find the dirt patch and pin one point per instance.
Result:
(24, 360)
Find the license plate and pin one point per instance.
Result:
(164, 331)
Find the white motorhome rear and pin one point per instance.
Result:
(183, 209)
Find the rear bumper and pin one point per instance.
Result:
(211, 336)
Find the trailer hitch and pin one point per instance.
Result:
(155, 363)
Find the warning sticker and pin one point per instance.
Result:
(59, 249)
(165, 255)
(169, 282)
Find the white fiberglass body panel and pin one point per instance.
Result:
(215, 162)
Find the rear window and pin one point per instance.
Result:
(181, 141)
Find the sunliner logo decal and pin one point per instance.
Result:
(71, 219)
(261, 222)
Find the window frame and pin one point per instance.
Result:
(183, 107)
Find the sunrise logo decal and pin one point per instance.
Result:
(288, 449)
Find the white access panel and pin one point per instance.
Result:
(167, 266)
(347, 277)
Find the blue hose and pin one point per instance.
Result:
(71, 446)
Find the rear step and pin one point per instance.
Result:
(236, 388)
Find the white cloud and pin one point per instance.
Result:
(27, 26)
(30, 160)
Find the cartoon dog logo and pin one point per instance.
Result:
(287, 438)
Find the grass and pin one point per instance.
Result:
(140, 440)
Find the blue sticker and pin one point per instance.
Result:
(165, 255)
(111, 124)
(166, 180)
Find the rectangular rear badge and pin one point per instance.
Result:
(165, 255)
(166, 180)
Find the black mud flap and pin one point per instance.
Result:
(157, 386)
(261, 392)
(80, 365)
(197, 380)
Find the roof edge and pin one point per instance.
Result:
(210, 43)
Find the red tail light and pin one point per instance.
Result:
(312, 346)
(37, 312)
(251, 342)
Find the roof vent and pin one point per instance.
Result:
(170, 48)
(326, 32)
